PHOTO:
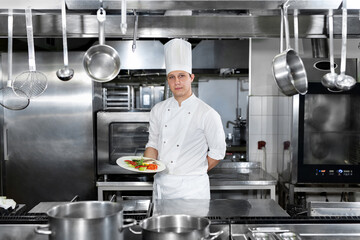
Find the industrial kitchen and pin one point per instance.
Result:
(179, 119)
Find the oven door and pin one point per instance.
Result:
(328, 136)
(120, 134)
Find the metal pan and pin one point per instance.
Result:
(288, 69)
(87, 220)
(176, 227)
(101, 62)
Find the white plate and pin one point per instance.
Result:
(121, 162)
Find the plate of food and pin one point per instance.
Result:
(140, 164)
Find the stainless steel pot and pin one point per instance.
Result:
(176, 227)
(85, 220)
(101, 62)
(288, 69)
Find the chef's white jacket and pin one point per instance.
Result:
(183, 136)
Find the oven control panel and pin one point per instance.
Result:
(334, 172)
(329, 174)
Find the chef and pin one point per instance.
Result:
(185, 133)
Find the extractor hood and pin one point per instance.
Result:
(208, 55)
(205, 19)
(179, 4)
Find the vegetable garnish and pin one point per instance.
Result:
(142, 164)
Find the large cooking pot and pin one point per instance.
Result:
(176, 227)
(288, 69)
(101, 62)
(85, 220)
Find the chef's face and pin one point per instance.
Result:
(180, 84)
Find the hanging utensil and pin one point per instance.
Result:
(8, 98)
(123, 25)
(65, 73)
(135, 31)
(329, 79)
(343, 81)
(288, 69)
(101, 62)
(32, 83)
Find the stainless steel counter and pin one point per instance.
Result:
(302, 231)
(257, 216)
(225, 176)
(223, 208)
(128, 205)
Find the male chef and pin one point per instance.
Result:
(185, 133)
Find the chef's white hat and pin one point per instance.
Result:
(178, 56)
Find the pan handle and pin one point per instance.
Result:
(132, 223)
(101, 17)
(44, 230)
(135, 232)
(75, 199)
(214, 235)
(123, 25)
(282, 30)
(286, 25)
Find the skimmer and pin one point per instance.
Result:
(30, 83)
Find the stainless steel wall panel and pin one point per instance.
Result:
(148, 54)
(221, 54)
(50, 143)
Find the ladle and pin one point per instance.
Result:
(328, 80)
(65, 73)
(343, 81)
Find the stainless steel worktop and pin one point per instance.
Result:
(223, 208)
(239, 176)
(255, 216)
(301, 231)
(225, 176)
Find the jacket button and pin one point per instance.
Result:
(177, 145)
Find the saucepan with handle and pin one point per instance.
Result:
(176, 227)
(86, 220)
(288, 69)
(101, 62)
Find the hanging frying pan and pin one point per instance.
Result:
(288, 69)
(101, 62)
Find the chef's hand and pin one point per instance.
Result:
(212, 162)
(151, 153)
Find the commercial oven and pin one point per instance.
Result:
(120, 134)
(326, 136)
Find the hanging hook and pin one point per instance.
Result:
(135, 31)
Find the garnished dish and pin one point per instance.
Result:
(140, 164)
